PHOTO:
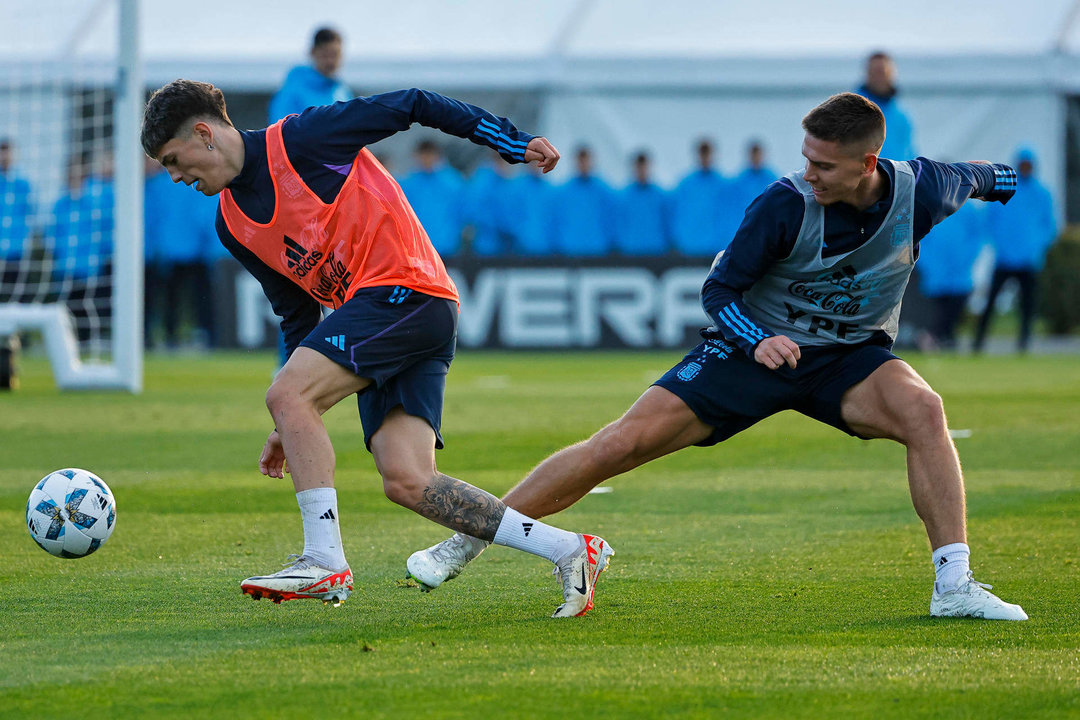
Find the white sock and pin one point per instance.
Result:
(322, 535)
(533, 536)
(951, 565)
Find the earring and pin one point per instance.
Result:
(209, 146)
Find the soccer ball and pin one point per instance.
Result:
(70, 513)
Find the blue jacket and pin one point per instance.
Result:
(584, 218)
(899, 140)
(644, 222)
(532, 228)
(947, 254)
(16, 211)
(436, 197)
(305, 87)
(1025, 229)
(747, 185)
(179, 225)
(700, 222)
(489, 210)
(80, 236)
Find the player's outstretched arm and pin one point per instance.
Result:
(772, 352)
(543, 153)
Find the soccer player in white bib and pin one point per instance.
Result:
(804, 304)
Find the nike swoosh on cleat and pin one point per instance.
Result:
(582, 589)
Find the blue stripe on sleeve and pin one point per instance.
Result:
(487, 135)
(498, 131)
(744, 322)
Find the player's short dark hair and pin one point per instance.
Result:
(878, 55)
(847, 119)
(705, 145)
(428, 145)
(173, 105)
(641, 157)
(583, 151)
(325, 35)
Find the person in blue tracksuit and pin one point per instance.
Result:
(315, 84)
(585, 222)
(533, 199)
(179, 227)
(1021, 236)
(699, 204)
(946, 261)
(487, 209)
(753, 179)
(16, 216)
(80, 240)
(435, 190)
(880, 88)
(644, 222)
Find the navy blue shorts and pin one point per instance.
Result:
(730, 391)
(403, 341)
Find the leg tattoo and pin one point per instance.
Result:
(461, 507)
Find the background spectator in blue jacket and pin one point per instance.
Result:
(80, 239)
(697, 209)
(435, 191)
(584, 218)
(179, 228)
(643, 216)
(880, 87)
(533, 200)
(16, 214)
(753, 179)
(1021, 233)
(314, 84)
(488, 209)
(946, 261)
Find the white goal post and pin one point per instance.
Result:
(103, 350)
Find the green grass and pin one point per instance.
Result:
(781, 574)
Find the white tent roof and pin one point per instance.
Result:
(498, 43)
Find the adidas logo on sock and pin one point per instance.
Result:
(942, 561)
(337, 341)
(328, 515)
(527, 527)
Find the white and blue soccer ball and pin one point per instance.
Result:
(71, 513)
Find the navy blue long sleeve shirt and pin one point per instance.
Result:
(322, 143)
(771, 226)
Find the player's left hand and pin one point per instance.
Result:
(543, 153)
(272, 460)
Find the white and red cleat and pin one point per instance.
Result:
(579, 572)
(301, 579)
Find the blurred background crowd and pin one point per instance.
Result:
(482, 208)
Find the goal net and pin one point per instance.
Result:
(71, 188)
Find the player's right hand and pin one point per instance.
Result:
(272, 460)
(772, 352)
(543, 153)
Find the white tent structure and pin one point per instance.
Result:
(978, 77)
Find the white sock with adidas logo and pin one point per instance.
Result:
(322, 535)
(951, 565)
(532, 536)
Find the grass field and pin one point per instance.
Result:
(782, 574)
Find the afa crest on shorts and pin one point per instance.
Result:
(689, 371)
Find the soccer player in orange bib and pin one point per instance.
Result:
(315, 218)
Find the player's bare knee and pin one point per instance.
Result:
(403, 487)
(923, 416)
